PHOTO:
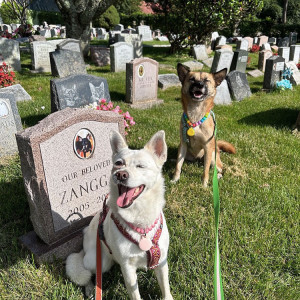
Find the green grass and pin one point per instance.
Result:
(259, 220)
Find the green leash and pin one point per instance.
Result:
(218, 286)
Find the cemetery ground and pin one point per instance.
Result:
(259, 220)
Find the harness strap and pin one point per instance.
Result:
(153, 255)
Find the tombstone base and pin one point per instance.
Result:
(47, 253)
(146, 104)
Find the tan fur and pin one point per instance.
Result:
(202, 144)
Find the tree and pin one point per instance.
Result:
(192, 21)
(128, 7)
(78, 15)
(284, 11)
(18, 9)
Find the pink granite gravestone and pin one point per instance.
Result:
(65, 182)
(141, 83)
(263, 56)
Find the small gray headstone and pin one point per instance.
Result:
(146, 33)
(222, 94)
(141, 83)
(134, 39)
(193, 65)
(238, 85)
(293, 38)
(77, 91)
(199, 52)
(100, 56)
(168, 80)
(120, 54)
(66, 184)
(66, 62)
(119, 27)
(284, 52)
(222, 59)
(208, 62)
(255, 73)
(239, 61)
(272, 41)
(243, 44)
(221, 40)
(273, 72)
(69, 44)
(10, 53)
(40, 57)
(18, 91)
(10, 124)
(295, 53)
(285, 42)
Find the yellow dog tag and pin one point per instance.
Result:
(191, 132)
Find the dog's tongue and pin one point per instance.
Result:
(126, 195)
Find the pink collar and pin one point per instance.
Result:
(143, 230)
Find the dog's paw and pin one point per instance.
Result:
(220, 175)
(89, 289)
(173, 181)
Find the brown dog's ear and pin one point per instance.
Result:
(182, 71)
(220, 76)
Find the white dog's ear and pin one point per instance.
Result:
(117, 141)
(157, 146)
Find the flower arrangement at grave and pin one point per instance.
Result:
(6, 75)
(254, 49)
(285, 83)
(23, 31)
(102, 104)
(298, 66)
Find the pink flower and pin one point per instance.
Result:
(127, 115)
(132, 122)
(110, 105)
(126, 124)
(102, 100)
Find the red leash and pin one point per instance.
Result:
(98, 294)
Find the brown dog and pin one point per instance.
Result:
(198, 140)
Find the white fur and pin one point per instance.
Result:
(144, 167)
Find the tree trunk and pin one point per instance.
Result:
(284, 11)
(78, 15)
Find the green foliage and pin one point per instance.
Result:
(128, 7)
(7, 15)
(190, 22)
(108, 19)
(154, 21)
(49, 16)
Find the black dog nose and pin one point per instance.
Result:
(122, 175)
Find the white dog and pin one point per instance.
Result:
(134, 209)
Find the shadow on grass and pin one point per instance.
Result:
(33, 120)
(278, 118)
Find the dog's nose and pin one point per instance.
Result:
(122, 175)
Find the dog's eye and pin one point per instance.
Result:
(119, 163)
(206, 80)
(140, 166)
(192, 79)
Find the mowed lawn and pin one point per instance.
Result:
(259, 218)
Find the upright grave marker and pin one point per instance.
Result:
(10, 53)
(69, 44)
(120, 54)
(65, 182)
(100, 56)
(222, 94)
(222, 59)
(295, 77)
(77, 91)
(295, 53)
(199, 52)
(284, 52)
(134, 39)
(273, 71)
(239, 61)
(250, 42)
(141, 83)
(242, 44)
(40, 58)
(262, 39)
(146, 33)
(10, 124)
(19, 92)
(293, 38)
(263, 56)
(66, 62)
(238, 85)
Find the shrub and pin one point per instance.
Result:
(6, 76)
(108, 19)
(7, 16)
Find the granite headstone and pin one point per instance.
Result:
(166, 81)
(263, 56)
(64, 182)
(222, 94)
(284, 52)
(295, 53)
(222, 59)
(69, 44)
(199, 52)
(77, 91)
(273, 71)
(40, 57)
(141, 83)
(100, 56)
(66, 62)
(10, 53)
(295, 78)
(239, 61)
(19, 92)
(120, 54)
(238, 85)
(10, 124)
